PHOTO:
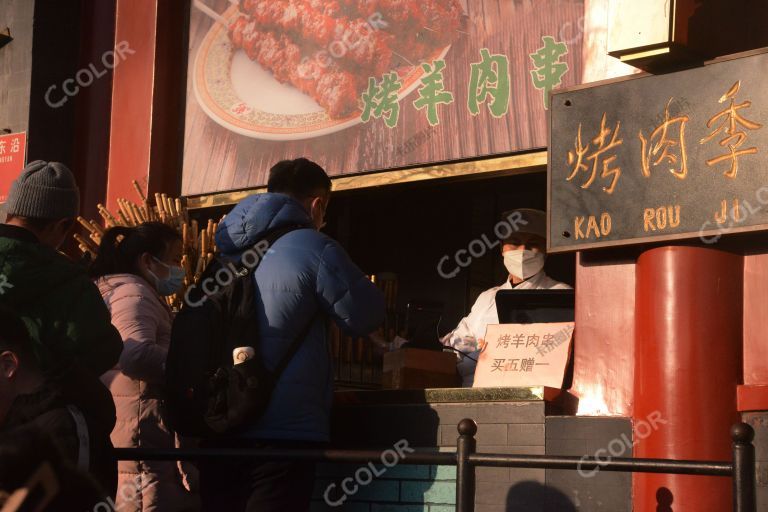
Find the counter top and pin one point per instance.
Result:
(446, 395)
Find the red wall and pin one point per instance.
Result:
(605, 335)
(753, 395)
(90, 160)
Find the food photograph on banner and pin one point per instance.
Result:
(371, 86)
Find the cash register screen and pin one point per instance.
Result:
(535, 306)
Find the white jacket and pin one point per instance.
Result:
(484, 313)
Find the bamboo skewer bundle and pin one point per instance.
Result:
(199, 246)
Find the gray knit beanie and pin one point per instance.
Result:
(44, 190)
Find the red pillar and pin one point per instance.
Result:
(146, 135)
(688, 364)
(132, 95)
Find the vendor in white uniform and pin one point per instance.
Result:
(524, 253)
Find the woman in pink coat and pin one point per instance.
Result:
(135, 268)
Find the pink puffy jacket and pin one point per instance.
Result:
(136, 383)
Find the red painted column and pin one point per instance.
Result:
(146, 135)
(132, 94)
(688, 364)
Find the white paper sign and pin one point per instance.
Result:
(523, 355)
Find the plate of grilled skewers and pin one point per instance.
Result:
(296, 69)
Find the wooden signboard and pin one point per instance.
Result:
(661, 157)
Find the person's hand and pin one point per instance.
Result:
(380, 344)
(398, 342)
(466, 344)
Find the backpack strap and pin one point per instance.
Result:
(84, 443)
(239, 326)
(295, 344)
(271, 237)
(302, 335)
(274, 234)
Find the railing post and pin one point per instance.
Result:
(743, 468)
(465, 472)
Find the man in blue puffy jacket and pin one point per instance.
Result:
(305, 277)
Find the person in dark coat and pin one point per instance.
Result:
(27, 398)
(61, 306)
(305, 278)
(72, 337)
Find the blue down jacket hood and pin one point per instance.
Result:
(305, 277)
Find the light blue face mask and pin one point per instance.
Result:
(173, 283)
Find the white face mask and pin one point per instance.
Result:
(523, 263)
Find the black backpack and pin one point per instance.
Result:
(206, 394)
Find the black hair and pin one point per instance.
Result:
(300, 178)
(121, 247)
(14, 335)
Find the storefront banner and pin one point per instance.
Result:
(362, 86)
(522, 355)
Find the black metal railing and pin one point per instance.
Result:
(466, 459)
